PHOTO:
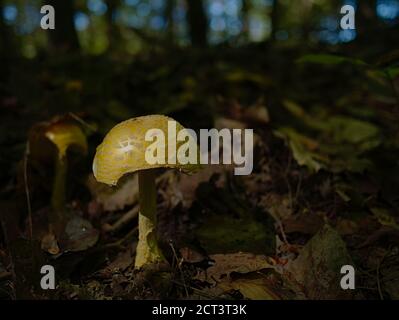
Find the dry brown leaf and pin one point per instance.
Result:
(122, 262)
(114, 198)
(240, 262)
(254, 289)
(346, 226)
(49, 244)
(188, 184)
(305, 223)
(279, 206)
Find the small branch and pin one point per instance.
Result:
(123, 221)
(5, 276)
(27, 193)
(392, 83)
(81, 121)
(152, 40)
(180, 268)
(125, 238)
(119, 243)
(378, 277)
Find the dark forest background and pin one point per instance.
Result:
(126, 27)
(324, 104)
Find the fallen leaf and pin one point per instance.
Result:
(114, 198)
(241, 262)
(80, 235)
(49, 244)
(254, 289)
(385, 218)
(123, 261)
(262, 285)
(318, 266)
(304, 222)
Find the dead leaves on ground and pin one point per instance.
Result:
(251, 275)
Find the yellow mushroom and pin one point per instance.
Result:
(123, 151)
(63, 135)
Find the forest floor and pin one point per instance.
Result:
(323, 192)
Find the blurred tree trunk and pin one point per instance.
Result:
(366, 17)
(168, 16)
(7, 48)
(245, 18)
(3, 31)
(307, 22)
(114, 35)
(275, 15)
(197, 22)
(64, 37)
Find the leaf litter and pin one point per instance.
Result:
(322, 194)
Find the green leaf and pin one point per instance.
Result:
(392, 72)
(305, 158)
(329, 59)
(302, 148)
(384, 217)
(352, 130)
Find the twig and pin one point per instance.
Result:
(26, 157)
(5, 275)
(366, 288)
(378, 277)
(298, 188)
(392, 83)
(281, 227)
(287, 180)
(119, 243)
(150, 39)
(179, 266)
(199, 292)
(80, 120)
(12, 265)
(125, 219)
(11, 292)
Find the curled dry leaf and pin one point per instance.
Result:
(49, 244)
(258, 285)
(306, 223)
(114, 198)
(385, 217)
(253, 289)
(121, 263)
(188, 184)
(240, 262)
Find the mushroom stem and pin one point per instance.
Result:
(147, 247)
(58, 195)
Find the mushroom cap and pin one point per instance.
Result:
(64, 135)
(123, 149)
